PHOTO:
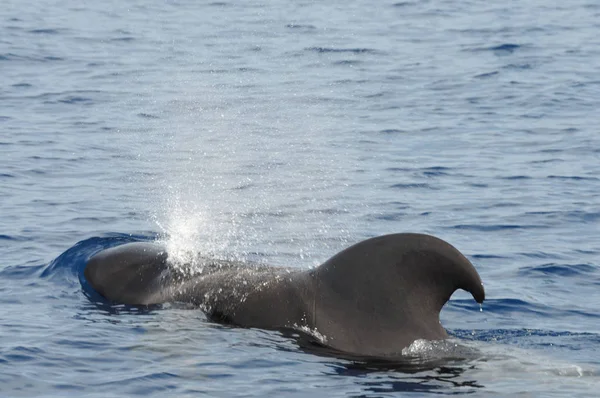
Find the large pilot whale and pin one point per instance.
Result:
(372, 299)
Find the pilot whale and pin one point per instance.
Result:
(372, 299)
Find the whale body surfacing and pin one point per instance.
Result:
(372, 299)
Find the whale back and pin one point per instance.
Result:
(378, 296)
(134, 273)
(372, 299)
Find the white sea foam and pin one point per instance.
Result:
(311, 332)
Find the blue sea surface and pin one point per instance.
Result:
(283, 132)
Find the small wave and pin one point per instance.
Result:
(485, 75)
(147, 116)
(511, 305)
(123, 39)
(435, 171)
(565, 270)
(487, 256)
(300, 26)
(23, 272)
(8, 57)
(75, 100)
(572, 178)
(538, 254)
(392, 131)
(505, 47)
(502, 49)
(72, 262)
(45, 31)
(491, 228)
(391, 216)
(517, 177)
(348, 62)
(13, 238)
(518, 66)
(342, 50)
(411, 186)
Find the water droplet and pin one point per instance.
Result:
(480, 307)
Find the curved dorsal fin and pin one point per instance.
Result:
(395, 286)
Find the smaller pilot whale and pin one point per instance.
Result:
(372, 299)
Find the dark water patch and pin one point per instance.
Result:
(573, 178)
(147, 116)
(348, 62)
(555, 269)
(491, 228)
(23, 354)
(517, 66)
(22, 272)
(243, 187)
(300, 26)
(9, 57)
(412, 186)
(390, 216)
(539, 254)
(69, 97)
(512, 305)
(4, 119)
(584, 216)
(551, 150)
(436, 171)
(341, 50)
(247, 69)
(485, 75)
(13, 238)
(38, 157)
(22, 85)
(348, 81)
(95, 220)
(46, 31)
(477, 185)
(500, 205)
(76, 100)
(398, 205)
(123, 39)
(392, 131)
(6, 175)
(571, 130)
(517, 177)
(40, 172)
(554, 160)
(376, 95)
(502, 49)
(505, 47)
(488, 257)
(404, 4)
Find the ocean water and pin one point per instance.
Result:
(282, 132)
